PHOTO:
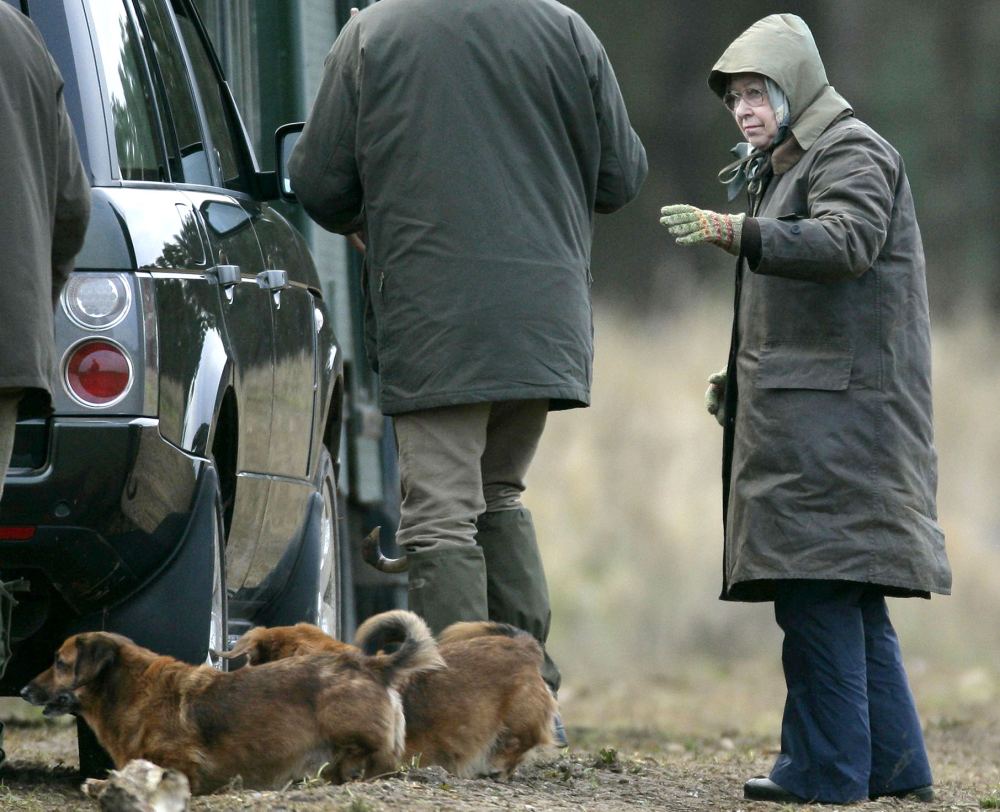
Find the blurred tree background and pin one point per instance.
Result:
(921, 72)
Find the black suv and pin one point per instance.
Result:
(186, 486)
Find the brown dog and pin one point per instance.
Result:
(479, 716)
(263, 644)
(337, 715)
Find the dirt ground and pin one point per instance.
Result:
(604, 769)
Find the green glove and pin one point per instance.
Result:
(691, 226)
(715, 396)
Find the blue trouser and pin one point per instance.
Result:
(850, 730)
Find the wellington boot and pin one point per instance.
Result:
(447, 585)
(515, 579)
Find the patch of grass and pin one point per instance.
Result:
(359, 804)
(608, 757)
(310, 781)
(991, 801)
(9, 800)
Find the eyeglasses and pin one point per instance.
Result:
(753, 96)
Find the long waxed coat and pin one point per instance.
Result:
(473, 140)
(44, 205)
(829, 464)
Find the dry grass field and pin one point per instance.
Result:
(626, 497)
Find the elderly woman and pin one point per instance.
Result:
(829, 468)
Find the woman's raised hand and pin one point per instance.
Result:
(691, 225)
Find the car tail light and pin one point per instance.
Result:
(97, 373)
(97, 301)
(15, 533)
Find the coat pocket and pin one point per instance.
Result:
(823, 365)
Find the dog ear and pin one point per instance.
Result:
(94, 653)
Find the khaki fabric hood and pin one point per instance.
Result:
(781, 47)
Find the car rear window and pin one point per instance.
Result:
(189, 156)
(129, 94)
(211, 96)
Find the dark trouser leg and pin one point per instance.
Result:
(825, 740)
(899, 757)
(516, 589)
(515, 579)
(447, 585)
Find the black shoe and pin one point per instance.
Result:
(925, 794)
(764, 789)
(559, 732)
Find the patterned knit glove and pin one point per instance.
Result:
(692, 226)
(715, 396)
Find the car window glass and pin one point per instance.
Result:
(211, 97)
(190, 158)
(139, 152)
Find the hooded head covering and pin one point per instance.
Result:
(781, 48)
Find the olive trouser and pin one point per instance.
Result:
(469, 540)
(9, 398)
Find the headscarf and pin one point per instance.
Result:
(750, 166)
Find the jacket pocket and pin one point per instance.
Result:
(823, 365)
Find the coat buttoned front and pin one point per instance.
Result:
(830, 470)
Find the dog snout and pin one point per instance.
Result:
(53, 703)
(34, 693)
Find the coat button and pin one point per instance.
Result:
(796, 230)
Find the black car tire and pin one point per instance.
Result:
(348, 620)
(218, 622)
(329, 606)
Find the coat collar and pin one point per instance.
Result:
(790, 151)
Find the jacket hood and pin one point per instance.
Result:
(781, 47)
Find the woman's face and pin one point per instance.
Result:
(756, 121)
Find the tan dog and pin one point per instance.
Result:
(480, 715)
(337, 715)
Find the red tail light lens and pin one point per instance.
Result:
(13, 533)
(98, 373)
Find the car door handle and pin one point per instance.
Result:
(226, 275)
(273, 280)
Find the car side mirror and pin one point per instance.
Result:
(285, 139)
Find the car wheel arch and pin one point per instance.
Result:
(211, 381)
(334, 424)
(224, 452)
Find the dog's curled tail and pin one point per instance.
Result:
(400, 645)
